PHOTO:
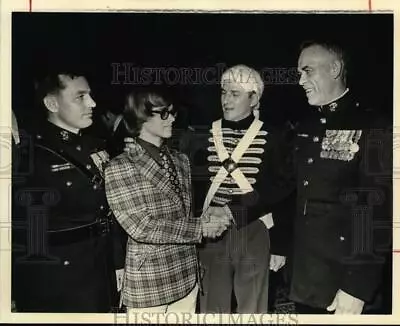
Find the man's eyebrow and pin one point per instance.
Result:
(82, 92)
(304, 67)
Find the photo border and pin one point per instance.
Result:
(249, 6)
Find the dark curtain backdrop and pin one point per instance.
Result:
(99, 41)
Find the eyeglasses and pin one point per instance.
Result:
(166, 111)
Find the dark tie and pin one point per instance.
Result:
(168, 166)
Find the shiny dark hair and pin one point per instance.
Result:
(138, 106)
(50, 83)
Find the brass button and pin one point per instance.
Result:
(323, 120)
(68, 183)
(310, 160)
(305, 183)
(316, 139)
(66, 263)
(78, 148)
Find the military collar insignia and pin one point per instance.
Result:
(68, 136)
(64, 135)
(332, 106)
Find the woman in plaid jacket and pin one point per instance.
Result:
(149, 190)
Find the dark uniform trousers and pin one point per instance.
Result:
(238, 259)
(65, 282)
(65, 252)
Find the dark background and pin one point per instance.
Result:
(96, 40)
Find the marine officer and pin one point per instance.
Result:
(71, 261)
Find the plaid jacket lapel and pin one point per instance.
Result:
(152, 171)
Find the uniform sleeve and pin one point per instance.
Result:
(197, 149)
(284, 212)
(119, 237)
(281, 234)
(275, 184)
(127, 201)
(363, 271)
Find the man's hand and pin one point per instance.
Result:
(119, 273)
(277, 262)
(268, 220)
(214, 227)
(346, 304)
(128, 141)
(221, 213)
(215, 221)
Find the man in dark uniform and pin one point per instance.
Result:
(60, 213)
(344, 191)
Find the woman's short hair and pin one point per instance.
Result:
(138, 107)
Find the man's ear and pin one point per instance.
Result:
(254, 99)
(336, 69)
(50, 102)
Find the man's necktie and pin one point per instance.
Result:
(170, 171)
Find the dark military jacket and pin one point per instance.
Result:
(62, 230)
(343, 203)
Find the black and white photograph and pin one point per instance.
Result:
(169, 162)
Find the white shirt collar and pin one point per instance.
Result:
(340, 96)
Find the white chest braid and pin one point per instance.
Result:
(229, 162)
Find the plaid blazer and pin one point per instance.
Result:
(161, 260)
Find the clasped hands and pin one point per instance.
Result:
(215, 220)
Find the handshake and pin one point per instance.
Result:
(215, 220)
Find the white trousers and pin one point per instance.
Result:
(186, 304)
